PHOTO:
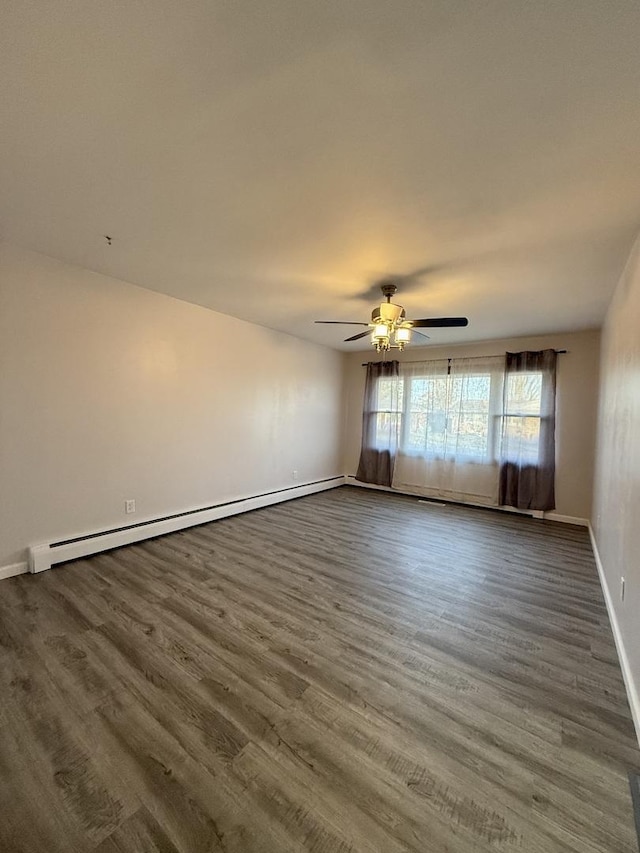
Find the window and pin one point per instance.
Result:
(527, 449)
(481, 429)
(426, 415)
(455, 411)
(450, 409)
(522, 419)
(469, 421)
(387, 411)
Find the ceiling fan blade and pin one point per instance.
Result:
(403, 281)
(416, 332)
(411, 279)
(439, 322)
(357, 337)
(340, 322)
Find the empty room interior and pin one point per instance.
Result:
(320, 426)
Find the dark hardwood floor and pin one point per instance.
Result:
(350, 671)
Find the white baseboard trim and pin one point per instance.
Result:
(13, 570)
(47, 554)
(633, 695)
(566, 519)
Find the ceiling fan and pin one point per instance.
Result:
(389, 327)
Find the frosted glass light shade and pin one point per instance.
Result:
(380, 332)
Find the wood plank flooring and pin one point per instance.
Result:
(350, 671)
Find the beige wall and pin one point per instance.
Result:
(616, 511)
(110, 392)
(576, 406)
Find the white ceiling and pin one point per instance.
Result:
(272, 160)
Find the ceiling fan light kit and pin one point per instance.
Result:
(384, 331)
(389, 326)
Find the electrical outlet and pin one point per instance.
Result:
(129, 506)
(621, 589)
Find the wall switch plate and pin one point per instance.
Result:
(129, 506)
(294, 474)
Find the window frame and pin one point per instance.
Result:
(495, 423)
(506, 416)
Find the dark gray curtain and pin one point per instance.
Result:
(380, 423)
(527, 453)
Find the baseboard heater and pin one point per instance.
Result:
(350, 480)
(45, 555)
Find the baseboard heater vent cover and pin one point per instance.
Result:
(45, 555)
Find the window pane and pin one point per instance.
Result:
(389, 394)
(427, 432)
(472, 390)
(427, 418)
(521, 439)
(448, 416)
(469, 418)
(428, 393)
(386, 430)
(524, 393)
(470, 436)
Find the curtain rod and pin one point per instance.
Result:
(468, 357)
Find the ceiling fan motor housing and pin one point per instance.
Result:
(387, 312)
